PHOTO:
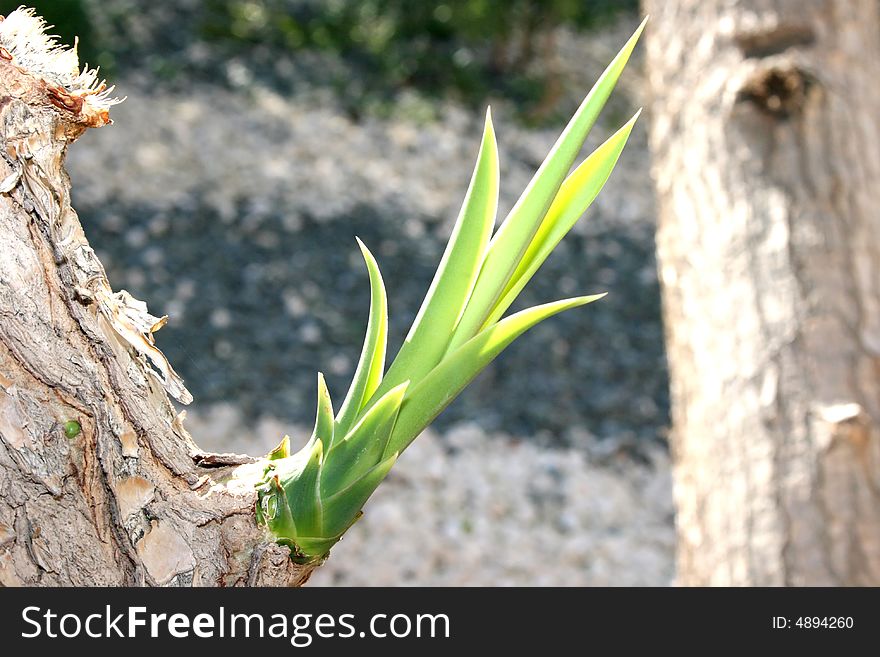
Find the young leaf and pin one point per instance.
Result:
(342, 508)
(515, 234)
(323, 430)
(456, 274)
(301, 481)
(433, 393)
(574, 197)
(282, 451)
(363, 447)
(372, 360)
(453, 338)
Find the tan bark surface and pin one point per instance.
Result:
(766, 142)
(129, 500)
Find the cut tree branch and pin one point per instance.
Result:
(129, 499)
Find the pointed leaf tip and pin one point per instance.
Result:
(513, 237)
(282, 451)
(429, 396)
(638, 31)
(456, 274)
(371, 364)
(323, 415)
(575, 195)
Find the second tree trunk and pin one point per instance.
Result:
(766, 138)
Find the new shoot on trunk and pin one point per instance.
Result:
(307, 500)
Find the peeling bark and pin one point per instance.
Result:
(765, 141)
(130, 500)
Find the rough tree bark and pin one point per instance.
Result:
(766, 146)
(128, 500)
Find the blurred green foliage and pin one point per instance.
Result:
(469, 47)
(465, 48)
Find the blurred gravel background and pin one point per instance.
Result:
(231, 204)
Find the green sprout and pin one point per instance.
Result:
(309, 499)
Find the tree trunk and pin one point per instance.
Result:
(99, 481)
(765, 137)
